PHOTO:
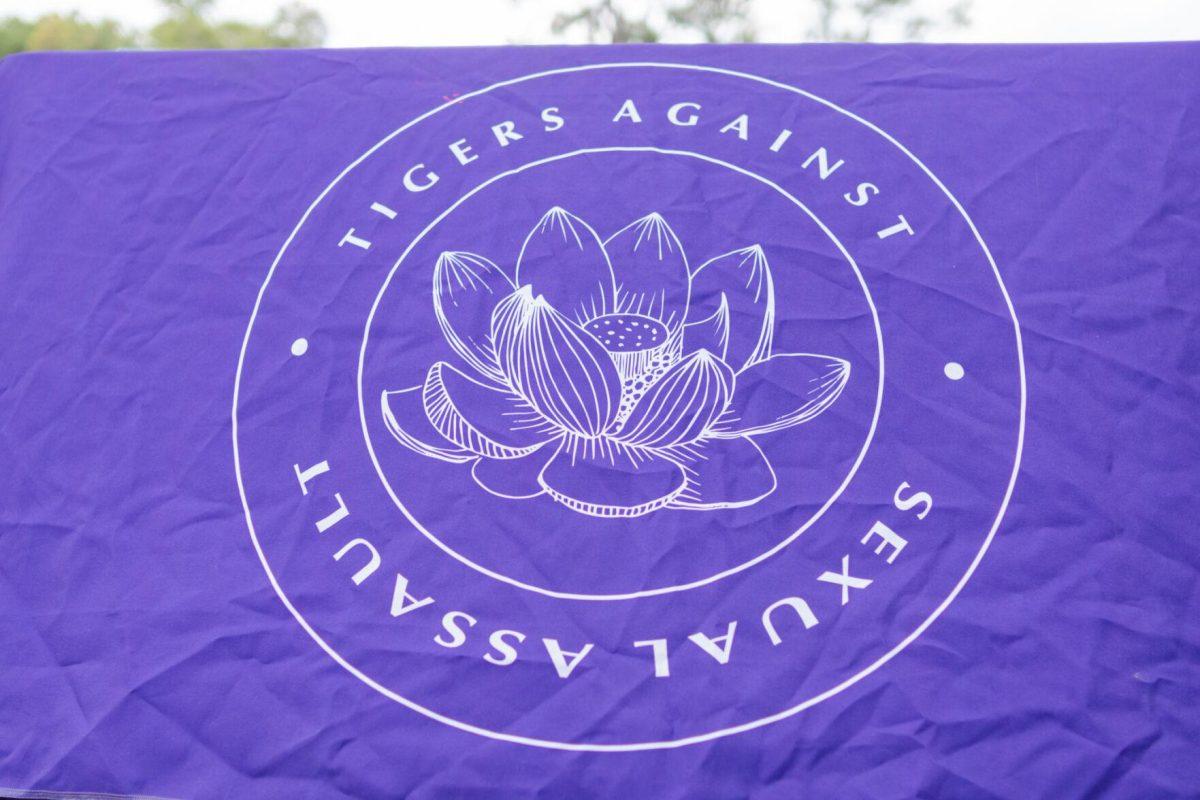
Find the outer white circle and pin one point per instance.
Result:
(862, 453)
(670, 743)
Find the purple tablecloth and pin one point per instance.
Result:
(671, 422)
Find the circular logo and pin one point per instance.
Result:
(563, 418)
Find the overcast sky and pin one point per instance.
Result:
(372, 23)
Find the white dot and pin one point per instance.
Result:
(300, 346)
(954, 371)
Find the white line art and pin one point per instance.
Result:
(710, 333)
(779, 546)
(744, 278)
(678, 741)
(465, 284)
(654, 278)
(409, 404)
(616, 370)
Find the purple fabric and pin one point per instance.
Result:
(587, 402)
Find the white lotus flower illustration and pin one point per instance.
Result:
(608, 375)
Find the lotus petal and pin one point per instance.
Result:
(651, 270)
(466, 289)
(784, 390)
(602, 478)
(742, 280)
(710, 333)
(486, 420)
(682, 404)
(724, 473)
(514, 478)
(564, 261)
(508, 318)
(562, 371)
(404, 415)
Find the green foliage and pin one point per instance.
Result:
(189, 27)
(188, 24)
(604, 22)
(62, 32)
(14, 33)
(858, 20)
(71, 32)
(731, 21)
(715, 20)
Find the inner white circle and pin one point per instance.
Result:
(563, 595)
(954, 371)
(685, 740)
(300, 346)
